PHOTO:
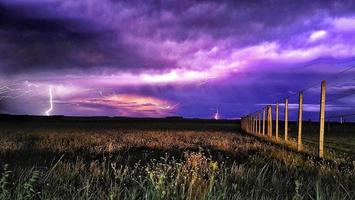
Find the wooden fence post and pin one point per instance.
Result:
(246, 123)
(300, 107)
(322, 119)
(256, 123)
(263, 121)
(242, 123)
(277, 122)
(259, 116)
(269, 120)
(286, 119)
(252, 123)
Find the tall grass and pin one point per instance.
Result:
(196, 176)
(163, 165)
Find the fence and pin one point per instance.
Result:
(279, 128)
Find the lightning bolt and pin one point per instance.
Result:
(17, 90)
(206, 80)
(168, 107)
(50, 102)
(100, 92)
(216, 115)
(6, 92)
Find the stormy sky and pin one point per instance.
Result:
(167, 58)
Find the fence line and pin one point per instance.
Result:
(267, 122)
(283, 128)
(252, 122)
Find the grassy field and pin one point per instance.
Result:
(159, 160)
(338, 137)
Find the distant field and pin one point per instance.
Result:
(338, 137)
(158, 159)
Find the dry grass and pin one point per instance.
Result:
(113, 141)
(113, 163)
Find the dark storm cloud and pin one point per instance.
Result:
(54, 40)
(200, 55)
(250, 21)
(30, 43)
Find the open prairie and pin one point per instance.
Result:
(177, 99)
(159, 159)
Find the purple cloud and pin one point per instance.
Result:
(200, 55)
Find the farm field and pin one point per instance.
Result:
(159, 159)
(338, 137)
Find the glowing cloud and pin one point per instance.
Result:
(317, 35)
(127, 105)
(343, 24)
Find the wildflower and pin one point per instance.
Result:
(214, 166)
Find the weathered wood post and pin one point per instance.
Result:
(242, 123)
(300, 107)
(263, 121)
(277, 122)
(286, 119)
(269, 121)
(246, 123)
(259, 114)
(256, 123)
(322, 119)
(251, 123)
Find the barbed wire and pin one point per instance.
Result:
(339, 116)
(341, 97)
(329, 80)
(316, 83)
